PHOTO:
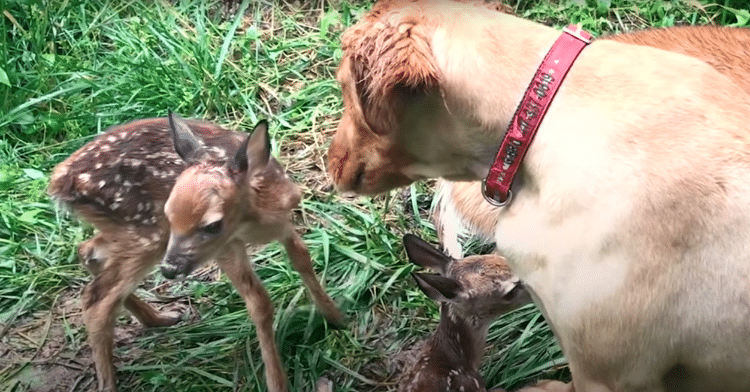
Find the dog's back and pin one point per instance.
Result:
(460, 208)
(726, 49)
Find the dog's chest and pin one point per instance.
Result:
(622, 309)
(570, 264)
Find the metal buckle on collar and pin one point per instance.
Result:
(492, 200)
(578, 32)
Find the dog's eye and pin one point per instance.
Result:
(212, 228)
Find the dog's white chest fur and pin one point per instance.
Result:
(566, 263)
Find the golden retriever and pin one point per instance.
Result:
(630, 220)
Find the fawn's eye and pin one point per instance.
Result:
(513, 294)
(212, 228)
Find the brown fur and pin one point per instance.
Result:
(472, 292)
(630, 217)
(726, 49)
(123, 181)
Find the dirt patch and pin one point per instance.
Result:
(48, 352)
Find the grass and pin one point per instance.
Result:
(69, 69)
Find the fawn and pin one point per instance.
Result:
(472, 293)
(187, 192)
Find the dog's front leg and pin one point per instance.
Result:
(549, 386)
(583, 385)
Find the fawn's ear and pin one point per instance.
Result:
(254, 151)
(423, 254)
(188, 146)
(438, 287)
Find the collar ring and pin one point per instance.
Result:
(492, 200)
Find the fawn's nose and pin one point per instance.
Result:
(175, 267)
(169, 271)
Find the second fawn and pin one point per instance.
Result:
(185, 192)
(472, 292)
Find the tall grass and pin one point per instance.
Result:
(70, 69)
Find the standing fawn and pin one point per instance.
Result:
(187, 192)
(472, 293)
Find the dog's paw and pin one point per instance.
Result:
(549, 386)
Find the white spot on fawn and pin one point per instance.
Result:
(85, 177)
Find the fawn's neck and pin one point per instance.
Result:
(458, 340)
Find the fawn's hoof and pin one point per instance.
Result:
(324, 385)
(336, 319)
(169, 319)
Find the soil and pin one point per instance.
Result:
(48, 352)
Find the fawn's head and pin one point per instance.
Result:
(214, 202)
(477, 288)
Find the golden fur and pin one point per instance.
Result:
(461, 204)
(632, 211)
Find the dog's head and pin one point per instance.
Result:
(394, 109)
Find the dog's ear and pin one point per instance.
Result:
(405, 60)
(386, 59)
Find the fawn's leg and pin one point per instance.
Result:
(102, 298)
(235, 264)
(323, 385)
(300, 258)
(99, 312)
(147, 315)
(93, 254)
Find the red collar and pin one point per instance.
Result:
(530, 112)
